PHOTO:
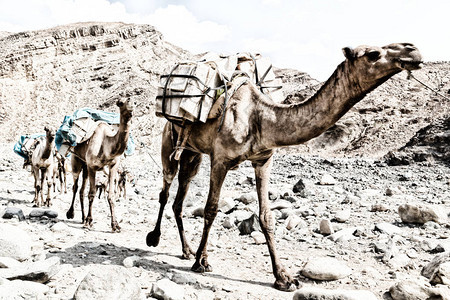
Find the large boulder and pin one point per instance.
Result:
(108, 282)
(14, 242)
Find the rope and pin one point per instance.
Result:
(410, 75)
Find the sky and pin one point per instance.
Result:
(306, 35)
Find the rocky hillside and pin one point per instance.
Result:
(47, 74)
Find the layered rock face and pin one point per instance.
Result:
(47, 74)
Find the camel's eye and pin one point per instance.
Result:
(373, 55)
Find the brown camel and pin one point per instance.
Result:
(42, 166)
(254, 126)
(103, 148)
(59, 172)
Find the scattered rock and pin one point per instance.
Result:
(379, 208)
(39, 213)
(199, 212)
(299, 186)
(8, 262)
(130, 261)
(343, 215)
(431, 268)
(226, 205)
(14, 242)
(258, 237)
(39, 271)
(249, 225)
(388, 228)
(181, 277)
(166, 289)
(315, 293)
(344, 234)
(325, 227)
(228, 222)
(327, 179)
(60, 227)
(22, 289)
(325, 268)
(280, 204)
(108, 282)
(421, 214)
(415, 290)
(292, 221)
(442, 274)
(248, 198)
(11, 212)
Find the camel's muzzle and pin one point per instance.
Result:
(410, 64)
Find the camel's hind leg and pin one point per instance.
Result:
(189, 166)
(283, 281)
(77, 168)
(218, 173)
(170, 168)
(112, 196)
(43, 177)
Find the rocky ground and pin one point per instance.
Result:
(360, 202)
(375, 223)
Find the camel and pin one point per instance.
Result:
(59, 172)
(101, 182)
(103, 148)
(42, 167)
(254, 126)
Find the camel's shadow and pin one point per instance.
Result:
(90, 253)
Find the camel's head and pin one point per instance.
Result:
(126, 106)
(374, 63)
(50, 132)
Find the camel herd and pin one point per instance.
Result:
(251, 129)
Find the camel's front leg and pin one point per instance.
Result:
(49, 178)
(189, 166)
(112, 196)
(91, 195)
(283, 281)
(37, 186)
(170, 169)
(218, 173)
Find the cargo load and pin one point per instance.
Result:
(189, 91)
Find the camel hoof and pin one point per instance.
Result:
(288, 286)
(69, 214)
(115, 227)
(153, 238)
(198, 268)
(187, 253)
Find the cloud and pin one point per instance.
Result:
(21, 15)
(181, 27)
(176, 22)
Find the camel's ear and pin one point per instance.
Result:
(349, 53)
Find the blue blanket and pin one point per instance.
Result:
(65, 133)
(18, 147)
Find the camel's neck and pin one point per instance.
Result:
(120, 139)
(298, 123)
(47, 151)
